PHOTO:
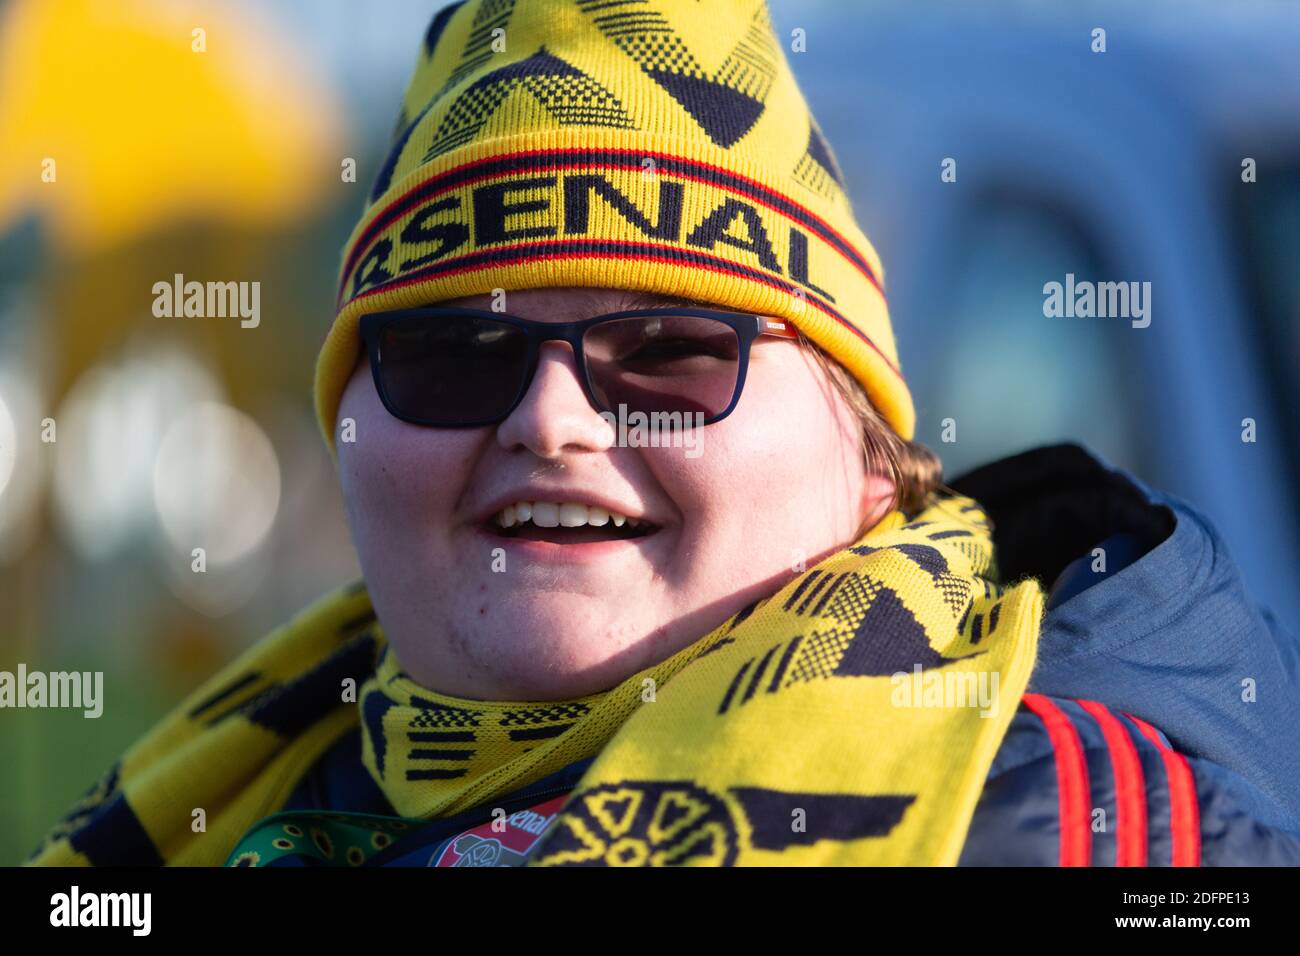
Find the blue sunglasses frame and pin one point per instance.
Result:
(746, 326)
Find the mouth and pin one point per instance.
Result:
(565, 523)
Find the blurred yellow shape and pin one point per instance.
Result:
(145, 131)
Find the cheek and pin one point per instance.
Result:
(398, 478)
(786, 463)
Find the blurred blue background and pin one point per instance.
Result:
(1117, 166)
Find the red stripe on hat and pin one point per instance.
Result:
(1071, 781)
(763, 194)
(1130, 787)
(1184, 811)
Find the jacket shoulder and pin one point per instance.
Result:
(1077, 783)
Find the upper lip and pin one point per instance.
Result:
(560, 496)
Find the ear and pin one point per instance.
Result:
(877, 496)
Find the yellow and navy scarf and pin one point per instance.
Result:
(849, 718)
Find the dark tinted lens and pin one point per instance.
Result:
(452, 369)
(663, 363)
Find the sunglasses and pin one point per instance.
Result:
(466, 368)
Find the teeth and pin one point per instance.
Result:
(566, 514)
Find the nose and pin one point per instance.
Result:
(554, 416)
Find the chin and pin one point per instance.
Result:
(555, 650)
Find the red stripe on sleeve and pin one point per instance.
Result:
(1184, 812)
(1071, 780)
(1130, 787)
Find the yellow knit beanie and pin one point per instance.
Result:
(650, 145)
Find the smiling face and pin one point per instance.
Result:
(539, 611)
